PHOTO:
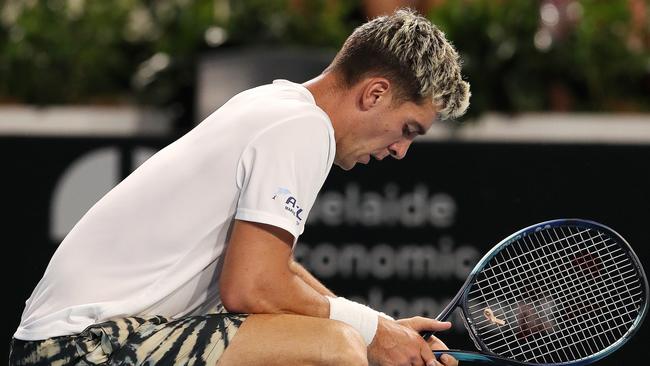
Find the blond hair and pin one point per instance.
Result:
(413, 54)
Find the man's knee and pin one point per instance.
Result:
(345, 346)
(295, 340)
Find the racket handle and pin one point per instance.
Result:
(426, 334)
(476, 357)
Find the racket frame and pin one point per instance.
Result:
(460, 300)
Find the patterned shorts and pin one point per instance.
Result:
(155, 340)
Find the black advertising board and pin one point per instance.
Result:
(399, 235)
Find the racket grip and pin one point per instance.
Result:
(426, 334)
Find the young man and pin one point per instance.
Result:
(188, 260)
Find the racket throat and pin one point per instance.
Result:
(447, 311)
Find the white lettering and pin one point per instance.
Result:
(414, 208)
(382, 261)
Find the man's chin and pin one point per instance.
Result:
(345, 165)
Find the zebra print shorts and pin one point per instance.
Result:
(155, 340)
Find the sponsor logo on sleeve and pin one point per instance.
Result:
(290, 203)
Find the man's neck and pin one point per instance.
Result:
(329, 96)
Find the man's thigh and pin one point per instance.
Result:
(135, 341)
(283, 339)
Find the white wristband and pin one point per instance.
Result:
(360, 317)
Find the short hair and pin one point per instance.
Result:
(413, 54)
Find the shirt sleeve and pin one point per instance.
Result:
(281, 172)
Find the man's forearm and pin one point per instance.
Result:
(299, 270)
(257, 278)
(273, 292)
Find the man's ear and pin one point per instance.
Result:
(375, 91)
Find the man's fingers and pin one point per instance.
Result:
(421, 324)
(436, 344)
(427, 356)
(448, 360)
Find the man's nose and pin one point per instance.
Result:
(398, 149)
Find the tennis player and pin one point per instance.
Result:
(188, 261)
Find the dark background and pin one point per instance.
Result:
(447, 202)
(476, 194)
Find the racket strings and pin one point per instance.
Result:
(581, 306)
(534, 323)
(549, 270)
(532, 253)
(575, 338)
(544, 308)
(510, 272)
(591, 314)
(559, 302)
(538, 285)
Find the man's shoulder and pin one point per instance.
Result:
(308, 128)
(288, 106)
(281, 92)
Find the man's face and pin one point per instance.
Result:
(388, 129)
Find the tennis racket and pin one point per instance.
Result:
(556, 293)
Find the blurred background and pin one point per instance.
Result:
(558, 126)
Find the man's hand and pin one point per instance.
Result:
(399, 343)
(420, 324)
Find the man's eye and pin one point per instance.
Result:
(408, 132)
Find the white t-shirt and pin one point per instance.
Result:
(153, 244)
